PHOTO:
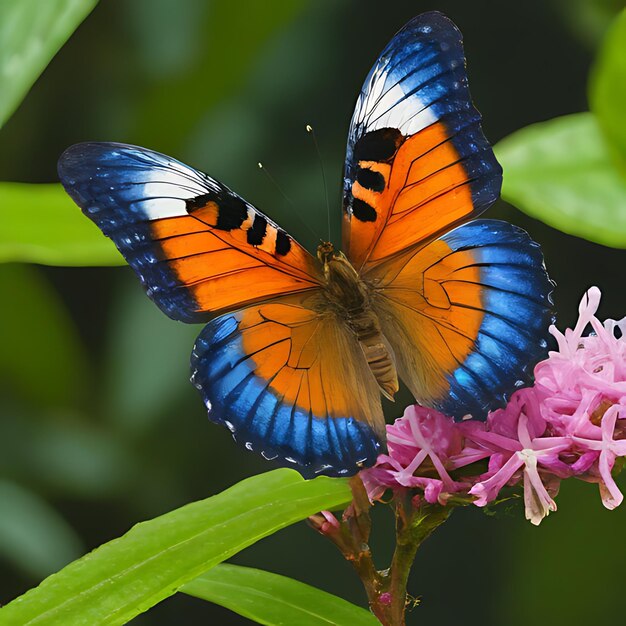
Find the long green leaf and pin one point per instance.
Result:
(561, 172)
(31, 33)
(607, 92)
(154, 559)
(274, 600)
(41, 224)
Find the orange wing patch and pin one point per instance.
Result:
(421, 191)
(430, 305)
(242, 226)
(222, 270)
(310, 360)
(288, 380)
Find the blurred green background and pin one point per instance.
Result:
(99, 427)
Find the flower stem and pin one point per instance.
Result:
(413, 526)
(385, 589)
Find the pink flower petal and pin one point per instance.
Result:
(537, 500)
(488, 490)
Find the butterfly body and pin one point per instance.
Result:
(350, 298)
(297, 349)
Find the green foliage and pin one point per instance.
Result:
(41, 224)
(274, 600)
(567, 172)
(184, 97)
(561, 173)
(32, 534)
(31, 33)
(607, 93)
(137, 390)
(154, 559)
(62, 452)
(39, 341)
(46, 442)
(211, 78)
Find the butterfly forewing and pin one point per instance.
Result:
(417, 161)
(197, 247)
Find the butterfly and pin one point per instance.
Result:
(298, 349)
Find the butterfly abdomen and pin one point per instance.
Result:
(348, 296)
(377, 351)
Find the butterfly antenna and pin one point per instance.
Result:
(309, 129)
(287, 198)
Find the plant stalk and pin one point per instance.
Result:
(413, 526)
(415, 521)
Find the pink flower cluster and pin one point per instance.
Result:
(570, 423)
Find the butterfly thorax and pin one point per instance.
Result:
(349, 298)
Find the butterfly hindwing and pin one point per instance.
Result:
(197, 247)
(417, 161)
(467, 316)
(291, 383)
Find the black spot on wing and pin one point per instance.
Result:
(193, 204)
(379, 145)
(283, 243)
(256, 233)
(363, 211)
(233, 211)
(369, 179)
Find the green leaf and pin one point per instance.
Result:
(42, 357)
(607, 89)
(32, 534)
(561, 173)
(127, 576)
(31, 33)
(41, 224)
(274, 600)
